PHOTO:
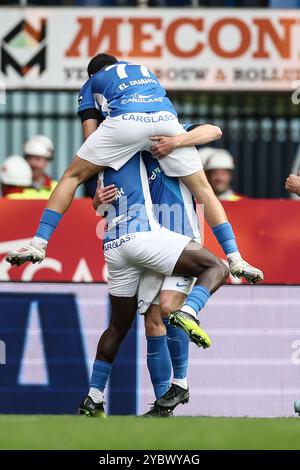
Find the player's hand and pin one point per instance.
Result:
(164, 145)
(292, 184)
(238, 267)
(105, 195)
(34, 252)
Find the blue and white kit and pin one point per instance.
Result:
(172, 206)
(136, 108)
(134, 240)
(175, 209)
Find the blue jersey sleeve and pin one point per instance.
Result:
(86, 98)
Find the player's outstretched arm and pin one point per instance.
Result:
(200, 135)
(58, 203)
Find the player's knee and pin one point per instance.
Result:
(119, 330)
(166, 307)
(223, 271)
(154, 328)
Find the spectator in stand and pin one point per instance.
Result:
(218, 165)
(15, 176)
(38, 152)
(16, 180)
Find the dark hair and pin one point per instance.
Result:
(99, 62)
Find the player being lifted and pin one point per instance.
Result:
(136, 108)
(164, 351)
(126, 130)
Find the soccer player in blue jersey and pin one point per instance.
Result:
(166, 193)
(150, 247)
(167, 346)
(174, 209)
(134, 240)
(137, 109)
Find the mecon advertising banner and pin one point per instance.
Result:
(208, 49)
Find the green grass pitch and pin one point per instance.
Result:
(117, 432)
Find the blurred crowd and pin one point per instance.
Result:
(25, 176)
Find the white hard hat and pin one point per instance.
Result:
(219, 159)
(15, 171)
(205, 153)
(39, 145)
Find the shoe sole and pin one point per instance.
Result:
(88, 414)
(251, 279)
(183, 401)
(16, 261)
(156, 416)
(195, 337)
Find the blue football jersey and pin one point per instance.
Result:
(132, 211)
(173, 204)
(124, 88)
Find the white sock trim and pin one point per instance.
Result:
(96, 395)
(40, 241)
(181, 383)
(188, 309)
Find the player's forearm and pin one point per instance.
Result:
(200, 135)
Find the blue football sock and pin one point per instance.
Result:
(100, 374)
(225, 236)
(159, 364)
(178, 344)
(48, 224)
(197, 299)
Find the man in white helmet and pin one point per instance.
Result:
(16, 179)
(219, 165)
(15, 176)
(38, 152)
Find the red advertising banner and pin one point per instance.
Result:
(267, 231)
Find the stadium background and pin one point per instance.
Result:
(50, 329)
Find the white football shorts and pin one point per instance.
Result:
(152, 283)
(118, 138)
(128, 256)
